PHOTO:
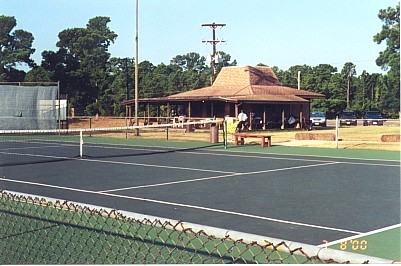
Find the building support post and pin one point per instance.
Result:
(264, 118)
(236, 110)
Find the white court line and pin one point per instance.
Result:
(117, 162)
(217, 177)
(360, 235)
(318, 156)
(255, 152)
(288, 159)
(203, 152)
(30, 148)
(134, 148)
(186, 206)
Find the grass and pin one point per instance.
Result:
(365, 138)
(360, 137)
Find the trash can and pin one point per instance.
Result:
(214, 133)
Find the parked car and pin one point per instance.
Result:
(373, 118)
(318, 119)
(348, 118)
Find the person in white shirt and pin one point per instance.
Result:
(242, 117)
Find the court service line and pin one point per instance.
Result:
(185, 206)
(117, 146)
(293, 159)
(380, 230)
(270, 155)
(217, 177)
(117, 162)
(318, 156)
(157, 166)
(30, 148)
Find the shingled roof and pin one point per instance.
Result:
(253, 84)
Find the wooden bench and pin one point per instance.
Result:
(240, 137)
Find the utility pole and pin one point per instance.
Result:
(214, 41)
(126, 61)
(136, 69)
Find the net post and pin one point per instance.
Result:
(81, 143)
(126, 125)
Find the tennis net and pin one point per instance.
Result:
(39, 230)
(19, 147)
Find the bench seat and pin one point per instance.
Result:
(239, 138)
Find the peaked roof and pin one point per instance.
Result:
(245, 76)
(255, 84)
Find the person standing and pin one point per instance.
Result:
(242, 117)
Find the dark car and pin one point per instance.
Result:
(348, 118)
(373, 118)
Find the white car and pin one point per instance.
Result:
(318, 119)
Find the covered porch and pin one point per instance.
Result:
(261, 115)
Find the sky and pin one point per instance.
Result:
(280, 33)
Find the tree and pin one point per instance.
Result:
(15, 48)
(81, 63)
(38, 74)
(389, 59)
(348, 72)
(390, 33)
(190, 61)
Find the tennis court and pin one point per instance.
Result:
(321, 197)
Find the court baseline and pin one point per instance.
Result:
(185, 206)
(360, 235)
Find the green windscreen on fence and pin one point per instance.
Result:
(36, 230)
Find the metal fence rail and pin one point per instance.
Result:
(37, 230)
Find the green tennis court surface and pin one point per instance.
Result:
(348, 198)
(385, 244)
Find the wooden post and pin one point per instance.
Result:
(148, 110)
(300, 117)
(236, 110)
(250, 120)
(168, 113)
(264, 119)
(158, 113)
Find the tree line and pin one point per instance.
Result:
(97, 83)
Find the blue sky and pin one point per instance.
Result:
(279, 33)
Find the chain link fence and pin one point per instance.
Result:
(36, 230)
